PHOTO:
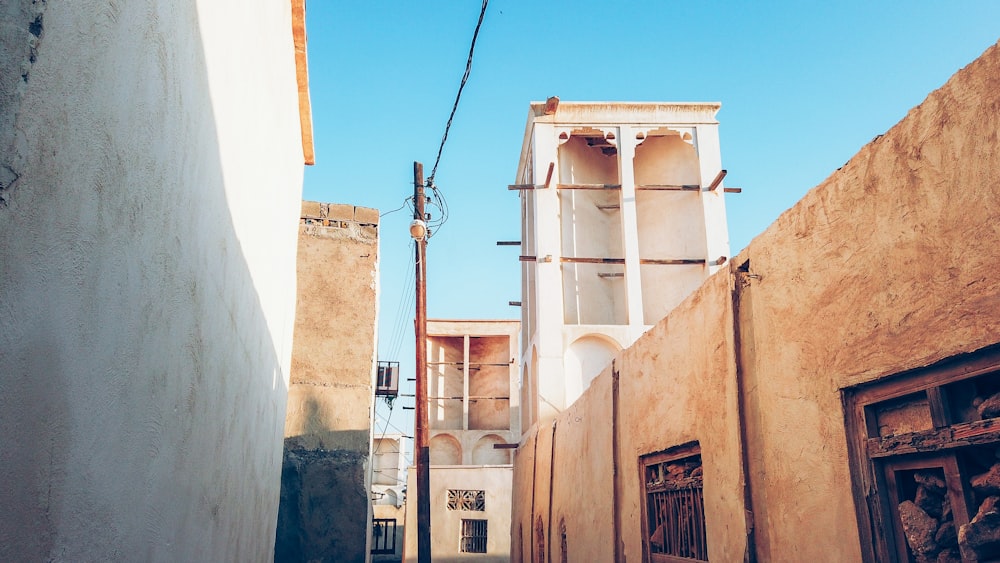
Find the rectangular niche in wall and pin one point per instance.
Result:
(925, 453)
(591, 229)
(489, 382)
(673, 504)
(670, 220)
(446, 382)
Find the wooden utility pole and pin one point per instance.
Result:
(420, 329)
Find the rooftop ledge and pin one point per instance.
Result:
(626, 112)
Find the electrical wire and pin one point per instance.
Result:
(461, 86)
(406, 203)
(405, 304)
(385, 429)
(437, 200)
(403, 307)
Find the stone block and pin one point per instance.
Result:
(987, 483)
(918, 527)
(366, 215)
(310, 209)
(340, 212)
(990, 408)
(980, 538)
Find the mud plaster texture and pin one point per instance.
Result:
(147, 274)
(325, 512)
(888, 265)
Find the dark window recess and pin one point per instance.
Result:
(459, 499)
(673, 503)
(563, 543)
(927, 445)
(383, 536)
(539, 554)
(473, 536)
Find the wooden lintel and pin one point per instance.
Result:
(589, 186)
(548, 175)
(548, 181)
(672, 262)
(718, 180)
(508, 243)
(504, 446)
(575, 260)
(514, 303)
(733, 190)
(669, 187)
(471, 397)
(955, 436)
(546, 258)
(470, 363)
(682, 261)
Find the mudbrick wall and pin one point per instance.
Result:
(881, 278)
(325, 512)
(147, 275)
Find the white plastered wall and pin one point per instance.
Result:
(148, 279)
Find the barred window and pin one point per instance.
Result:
(673, 501)
(383, 536)
(459, 499)
(473, 536)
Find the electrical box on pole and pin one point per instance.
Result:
(387, 380)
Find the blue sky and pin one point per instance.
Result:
(803, 86)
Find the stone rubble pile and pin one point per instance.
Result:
(927, 520)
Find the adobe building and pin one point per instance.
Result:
(830, 395)
(473, 418)
(147, 274)
(623, 216)
(325, 513)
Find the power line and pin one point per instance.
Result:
(406, 203)
(403, 306)
(465, 78)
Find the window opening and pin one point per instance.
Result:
(539, 555)
(927, 443)
(459, 499)
(673, 503)
(383, 536)
(473, 536)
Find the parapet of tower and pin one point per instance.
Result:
(622, 216)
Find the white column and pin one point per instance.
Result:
(465, 382)
(713, 203)
(515, 396)
(548, 298)
(630, 229)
